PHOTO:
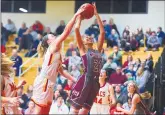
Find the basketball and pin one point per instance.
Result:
(89, 11)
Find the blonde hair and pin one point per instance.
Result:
(135, 86)
(140, 71)
(6, 65)
(42, 47)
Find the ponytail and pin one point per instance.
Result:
(42, 47)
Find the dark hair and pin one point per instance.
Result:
(160, 28)
(44, 43)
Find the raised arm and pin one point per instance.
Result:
(66, 74)
(101, 27)
(56, 45)
(78, 36)
(112, 96)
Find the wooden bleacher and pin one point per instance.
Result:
(32, 73)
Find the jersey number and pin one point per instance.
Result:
(98, 100)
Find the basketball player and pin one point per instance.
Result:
(87, 86)
(9, 100)
(105, 98)
(52, 64)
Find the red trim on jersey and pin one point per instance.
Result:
(103, 85)
(50, 59)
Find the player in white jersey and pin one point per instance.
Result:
(9, 100)
(105, 98)
(52, 64)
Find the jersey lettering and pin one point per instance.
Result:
(76, 93)
(101, 94)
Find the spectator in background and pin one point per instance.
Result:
(75, 72)
(20, 33)
(60, 28)
(3, 38)
(142, 78)
(113, 26)
(38, 27)
(93, 30)
(3, 35)
(120, 97)
(107, 29)
(10, 27)
(33, 33)
(59, 107)
(141, 36)
(117, 78)
(68, 87)
(56, 94)
(147, 35)
(110, 66)
(137, 64)
(33, 49)
(116, 55)
(30, 108)
(113, 39)
(70, 49)
(124, 41)
(153, 42)
(128, 62)
(127, 30)
(17, 61)
(47, 31)
(149, 63)
(161, 36)
(74, 60)
(130, 70)
(133, 42)
(62, 92)
(26, 41)
(104, 56)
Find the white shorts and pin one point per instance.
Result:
(100, 109)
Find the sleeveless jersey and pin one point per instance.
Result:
(103, 97)
(45, 81)
(94, 63)
(10, 91)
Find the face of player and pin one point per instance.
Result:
(131, 88)
(103, 75)
(51, 38)
(88, 40)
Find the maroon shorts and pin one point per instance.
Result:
(84, 92)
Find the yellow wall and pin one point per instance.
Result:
(55, 11)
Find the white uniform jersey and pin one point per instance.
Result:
(9, 91)
(45, 81)
(103, 97)
(101, 103)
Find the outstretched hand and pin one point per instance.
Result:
(79, 11)
(95, 9)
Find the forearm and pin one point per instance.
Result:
(5, 99)
(67, 30)
(68, 76)
(126, 111)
